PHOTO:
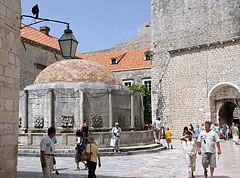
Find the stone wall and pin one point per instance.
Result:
(188, 92)
(135, 75)
(9, 85)
(67, 105)
(33, 58)
(182, 80)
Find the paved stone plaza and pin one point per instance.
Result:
(165, 164)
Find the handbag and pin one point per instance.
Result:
(112, 142)
(86, 156)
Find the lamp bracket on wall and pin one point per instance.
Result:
(41, 20)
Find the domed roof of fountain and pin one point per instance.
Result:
(76, 70)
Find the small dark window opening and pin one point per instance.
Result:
(114, 61)
(148, 58)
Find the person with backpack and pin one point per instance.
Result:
(80, 146)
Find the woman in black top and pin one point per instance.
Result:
(84, 130)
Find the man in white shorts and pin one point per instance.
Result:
(47, 153)
(207, 140)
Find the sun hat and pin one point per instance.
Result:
(90, 139)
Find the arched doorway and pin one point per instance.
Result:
(224, 98)
(226, 113)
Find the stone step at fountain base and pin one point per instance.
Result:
(70, 152)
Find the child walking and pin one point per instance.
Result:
(190, 148)
(168, 138)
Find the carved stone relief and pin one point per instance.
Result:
(38, 122)
(97, 121)
(67, 121)
(122, 120)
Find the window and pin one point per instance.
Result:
(114, 61)
(147, 83)
(148, 58)
(127, 83)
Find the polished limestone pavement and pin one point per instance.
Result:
(164, 164)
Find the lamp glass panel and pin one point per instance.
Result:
(65, 46)
(74, 48)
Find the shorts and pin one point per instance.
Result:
(209, 159)
(169, 140)
(78, 156)
(158, 133)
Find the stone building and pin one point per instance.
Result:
(195, 67)
(9, 85)
(129, 67)
(129, 61)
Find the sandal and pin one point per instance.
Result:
(76, 169)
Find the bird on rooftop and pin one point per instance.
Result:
(35, 10)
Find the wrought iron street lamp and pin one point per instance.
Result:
(68, 44)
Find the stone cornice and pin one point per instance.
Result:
(121, 70)
(34, 43)
(205, 45)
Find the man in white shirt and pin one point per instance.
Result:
(157, 128)
(47, 153)
(116, 131)
(207, 140)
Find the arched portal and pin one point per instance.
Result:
(224, 98)
(225, 113)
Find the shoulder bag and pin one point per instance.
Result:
(86, 156)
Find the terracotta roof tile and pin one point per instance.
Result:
(39, 37)
(130, 59)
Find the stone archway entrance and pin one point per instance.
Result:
(224, 103)
(225, 114)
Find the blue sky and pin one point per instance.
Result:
(96, 24)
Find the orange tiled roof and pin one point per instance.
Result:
(39, 37)
(125, 60)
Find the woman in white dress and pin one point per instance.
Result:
(190, 147)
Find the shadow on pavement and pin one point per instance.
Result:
(26, 174)
(213, 176)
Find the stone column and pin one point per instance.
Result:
(142, 110)
(110, 109)
(51, 122)
(25, 116)
(132, 111)
(81, 108)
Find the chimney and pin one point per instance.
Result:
(45, 30)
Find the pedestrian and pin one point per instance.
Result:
(168, 138)
(224, 131)
(54, 140)
(206, 146)
(92, 149)
(217, 129)
(196, 132)
(80, 146)
(47, 153)
(84, 130)
(185, 131)
(157, 128)
(235, 133)
(116, 132)
(190, 148)
(191, 128)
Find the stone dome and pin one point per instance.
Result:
(76, 70)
